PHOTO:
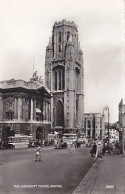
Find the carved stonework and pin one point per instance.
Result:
(10, 105)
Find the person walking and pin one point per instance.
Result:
(98, 151)
(73, 148)
(37, 154)
(93, 149)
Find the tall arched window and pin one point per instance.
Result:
(59, 79)
(77, 79)
(55, 80)
(59, 37)
(63, 79)
(59, 114)
(60, 48)
(89, 124)
(68, 35)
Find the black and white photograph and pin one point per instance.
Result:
(62, 96)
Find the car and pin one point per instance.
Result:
(61, 145)
(32, 143)
(6, 145)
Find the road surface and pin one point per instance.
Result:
(59, 171)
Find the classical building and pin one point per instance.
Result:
(24, 105)
(64, 77)
(94, 125)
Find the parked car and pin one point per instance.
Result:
(61, 145)
(6, 145)
(32, 143)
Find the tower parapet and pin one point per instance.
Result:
(66, 23)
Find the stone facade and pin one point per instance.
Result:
(121, 109)
(23, 105)
(64, 77)
(94, 125)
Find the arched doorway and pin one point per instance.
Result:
(59, 114)
(40, 134)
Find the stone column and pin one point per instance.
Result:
(48, 111)
(15, 108)
(43, 110)
(19, 108)
(91, 129)
(31, 110)
(34, 109)
(24, 109)
(1, 108)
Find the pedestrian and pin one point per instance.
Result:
(93, 149)
(98, 151)
(37, 154)
(117, 147)
(73, 148)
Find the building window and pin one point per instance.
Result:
(59, 37)
(9, 115)
(68, 35)
(59, 114)
(55, 80)
(59, 79)
(89, 124)
(60, 48)
(63, 79)
(85, 123)
(77, 79)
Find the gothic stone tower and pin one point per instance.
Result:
(64, 77)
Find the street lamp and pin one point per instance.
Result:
(107, 109)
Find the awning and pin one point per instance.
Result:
(38, 110)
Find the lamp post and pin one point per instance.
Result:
(107, 109)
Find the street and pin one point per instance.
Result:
(59, 171)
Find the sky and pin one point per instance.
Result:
(25, 28)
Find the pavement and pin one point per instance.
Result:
(106, 176)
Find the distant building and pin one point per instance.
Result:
(94, 125)
(113, 134)
(24, 105)
(121, 109)
(64, 77)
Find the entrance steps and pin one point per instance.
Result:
(20, 140)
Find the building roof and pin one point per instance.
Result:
(21, 85)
